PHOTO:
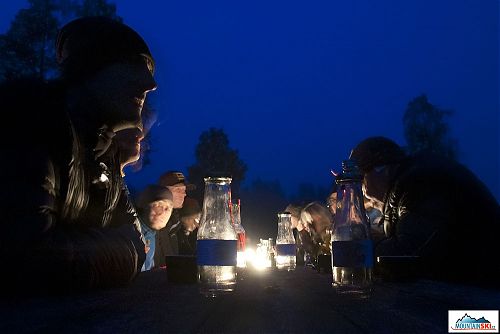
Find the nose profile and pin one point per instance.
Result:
(150, 84)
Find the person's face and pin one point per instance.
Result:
(375, 186)
(179, 192)
(129, 145)
(159, 214)
(191, 222)
(120, 90)
(331, 203)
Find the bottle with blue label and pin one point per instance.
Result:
(285, 243)
(352, 249)
(216, 240)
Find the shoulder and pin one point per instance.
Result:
(432, 180)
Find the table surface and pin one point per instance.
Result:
(301, 301)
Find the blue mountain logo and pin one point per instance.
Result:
(468, 319)
(469, 323)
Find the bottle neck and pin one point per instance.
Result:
(285, 234)
(215, 221)
(217, 198)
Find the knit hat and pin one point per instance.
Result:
(189, 207)
(376, 151)
(153, 193)
(86, 45)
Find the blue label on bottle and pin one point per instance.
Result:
(211, 252)
(285, 249)
(354, 253)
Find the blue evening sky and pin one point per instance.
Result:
(296, 84)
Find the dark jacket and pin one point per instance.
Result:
(186, 241)
(56, 232)
(166, 239)
(439, 210)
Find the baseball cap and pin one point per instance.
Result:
(171, 178)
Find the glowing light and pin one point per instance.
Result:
(249, 255)
(241, 261)
(227, 274)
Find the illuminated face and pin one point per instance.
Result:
(120, 90)
(159, 213)
(331, 203)
(191, 222)
(374, 187)
(179, 192)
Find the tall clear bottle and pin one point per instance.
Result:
(352, 249)
(217, 242)
(240, 233)
(285, 243)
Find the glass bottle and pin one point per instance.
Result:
(216, 240)
(240, 233)
(285, 243)
(263, 258)
(271, 251)
(352, 250)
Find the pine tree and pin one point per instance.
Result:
(214, 156)
(27, 49)
(426, 130)
(98, 8)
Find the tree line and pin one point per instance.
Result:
(27, 48)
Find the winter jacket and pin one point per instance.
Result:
(57, 205)
(166, 239)
(439, 210)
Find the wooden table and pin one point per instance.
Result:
(264, 302)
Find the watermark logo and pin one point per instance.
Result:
(473, 321)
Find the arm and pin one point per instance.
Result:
(421, 227)
(60, 255)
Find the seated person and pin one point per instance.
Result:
(302, 237)
(188, 228)
(313, 224)
(154, 206)
(434, 208)
(166, 238)
(317, 220)
(62, 189)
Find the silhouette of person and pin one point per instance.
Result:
(434, 208)
(61, 191)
